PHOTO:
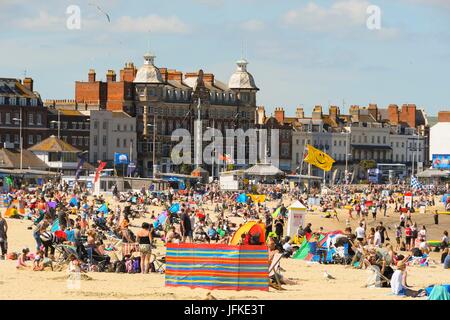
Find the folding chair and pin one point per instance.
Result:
(158, 262)
(274, 271)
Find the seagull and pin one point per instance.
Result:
(328, 276)
(101, 10)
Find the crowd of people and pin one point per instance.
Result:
(93, 226)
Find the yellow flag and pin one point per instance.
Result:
(319, 159)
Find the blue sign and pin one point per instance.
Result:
(120, 158)
(441, 161)
(89, 185)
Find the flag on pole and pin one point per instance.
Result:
(80, 165)
(319, 158)
(9, 181)
(415, 184)
(227, 158)
(100, 168)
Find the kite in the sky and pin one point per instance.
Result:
(102, 11)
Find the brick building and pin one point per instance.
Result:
(168, 99)
(19, 101)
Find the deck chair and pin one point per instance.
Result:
(62, 254)
(274, 272)
(376, 278)
(159, 262)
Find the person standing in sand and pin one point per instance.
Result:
(3, 237)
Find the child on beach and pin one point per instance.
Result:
(22, 259)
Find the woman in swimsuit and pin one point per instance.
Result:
(144, 238)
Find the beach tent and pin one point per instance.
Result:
(175, 208)
(252, 228)
(296, 217)
(242, 198)
(305, 250)
(16, 208)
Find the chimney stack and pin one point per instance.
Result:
(128, 73)
(279, 115)
(111, 76)
(373, 111)
(28, 83)
(300, 113)
(91, 75)
(393, 114)
(317, 113)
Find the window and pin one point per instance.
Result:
(16, 138)
(38, 138)
(38, 119)
(95, 156)
(118, 143)
(30, 119)
(2, 100)
(95, 124)
(125, 127)
(384, 139)
(86, 141)
(7, 138)
(124, 143)
(23, 101)
(34, 102)
(118, 127)
(335, 143)
(74, 125)
(378, 139)
(64, 124)
(1, 117)
(30, 139)
(95, 140)
(12, 101)
(403, 145)
(105, 125)
(131, 128)
(80, 141)
(104, 139)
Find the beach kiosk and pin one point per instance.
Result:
(296, 217)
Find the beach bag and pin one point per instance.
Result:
(136, 265)
(120, 267)
(129, 266)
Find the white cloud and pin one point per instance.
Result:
(152, 23)
(252, 25)
(343, 14)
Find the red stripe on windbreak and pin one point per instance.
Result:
(213, 287)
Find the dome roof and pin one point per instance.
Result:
(242, 79)
(148, 73)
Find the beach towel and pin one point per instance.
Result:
(439, 293)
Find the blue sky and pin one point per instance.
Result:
(301, 52)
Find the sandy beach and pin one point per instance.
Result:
(348, 285)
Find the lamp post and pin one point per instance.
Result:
(59, 124)
(21, 139)
(154, 144)
(214, 148)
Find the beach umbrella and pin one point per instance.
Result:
(55, 226)
(73, 202)
(103, 208)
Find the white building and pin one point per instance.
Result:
(111, 132)
(440, 136)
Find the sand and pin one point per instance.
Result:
(349, 284)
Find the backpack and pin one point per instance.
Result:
(119, 267)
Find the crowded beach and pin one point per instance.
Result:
(355, 241)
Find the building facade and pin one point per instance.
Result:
(21, 113)
(111, 132)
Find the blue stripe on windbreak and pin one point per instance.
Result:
(219, 279)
